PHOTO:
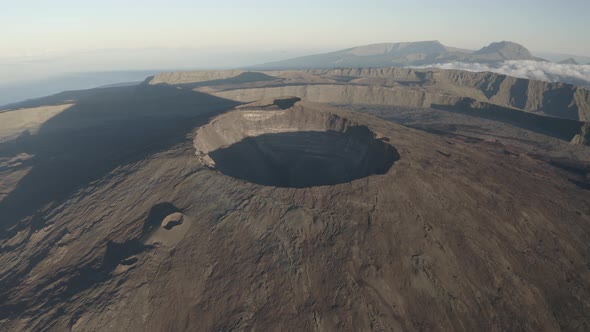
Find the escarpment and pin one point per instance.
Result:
(403, 87)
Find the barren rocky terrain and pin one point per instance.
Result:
(418, 88)
(349, 199)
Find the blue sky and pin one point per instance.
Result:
(61, 28)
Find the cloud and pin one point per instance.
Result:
(535, 70)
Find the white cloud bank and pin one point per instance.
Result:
(535, 70)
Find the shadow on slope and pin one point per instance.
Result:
(564, 129)
(76, 279)
(106, 128)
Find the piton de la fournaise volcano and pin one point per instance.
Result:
(333, 199)
(295, 166)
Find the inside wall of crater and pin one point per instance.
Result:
(297, 147)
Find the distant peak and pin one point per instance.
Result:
(495, 46)
(569, 61)
(506, 42)
(506, 49)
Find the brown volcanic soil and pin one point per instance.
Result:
(456, 233)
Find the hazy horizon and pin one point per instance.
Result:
(49, 38)
(51, 42)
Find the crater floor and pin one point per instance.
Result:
(304, 159)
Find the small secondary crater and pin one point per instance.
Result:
(294, 148)
(172, 220)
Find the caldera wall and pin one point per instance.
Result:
(298, 147)
(402, 87)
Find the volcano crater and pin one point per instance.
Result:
(293, 148)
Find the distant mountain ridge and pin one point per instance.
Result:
(569, 61)
(404, 54)
(501, 51)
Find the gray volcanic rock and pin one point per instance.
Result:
(584, 135)
(164, 208)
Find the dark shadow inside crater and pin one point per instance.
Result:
(286, 103)
(306, 158)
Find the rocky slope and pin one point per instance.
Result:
(29, 120)
(397, 86)
(583, 137)
(552, 99)
(149, 209)
(501, 51)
